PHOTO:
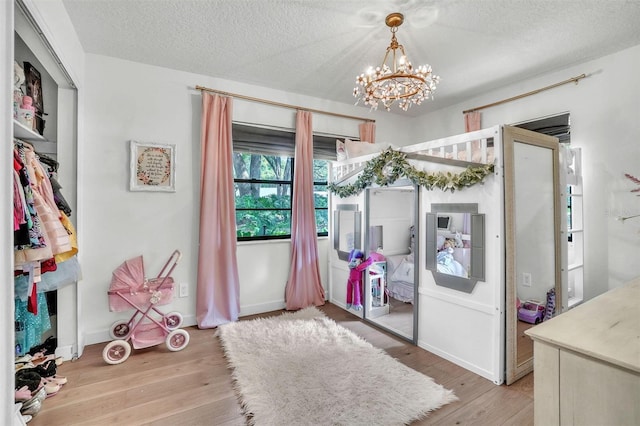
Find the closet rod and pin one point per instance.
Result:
(524, 95)
(29, 17)
(279, 104)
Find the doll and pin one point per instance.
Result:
(357, 264)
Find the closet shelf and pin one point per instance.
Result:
(21, 131)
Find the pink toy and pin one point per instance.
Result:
(148, 326)
(357, 264)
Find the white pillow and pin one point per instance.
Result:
(404, 272)
(341, 151)
(356, 149)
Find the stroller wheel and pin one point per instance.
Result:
(177, 340)
(116, 352)
(119, 329)
(173, 320)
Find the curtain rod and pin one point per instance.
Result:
(524, 95)
(264, 101)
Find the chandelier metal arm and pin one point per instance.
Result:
(395, 76)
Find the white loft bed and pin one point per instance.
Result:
(465, 328)
(475, 149)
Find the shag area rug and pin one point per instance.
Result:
(303, 368)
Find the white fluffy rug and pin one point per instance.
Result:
(304, 369)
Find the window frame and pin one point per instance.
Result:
(318, 156)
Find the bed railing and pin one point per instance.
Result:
(463, 150)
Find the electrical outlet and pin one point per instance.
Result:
(526, 279)
(183, 290)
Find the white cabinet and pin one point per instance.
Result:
(587, 362)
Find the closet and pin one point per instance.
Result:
(53, 140)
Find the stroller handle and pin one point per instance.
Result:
(171, 264)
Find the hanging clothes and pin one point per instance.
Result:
(46, 205)
(29, 327)
(30, 239)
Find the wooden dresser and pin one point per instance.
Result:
(587, 362)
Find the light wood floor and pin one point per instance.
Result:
(193, 386)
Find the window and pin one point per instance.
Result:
(263, 170)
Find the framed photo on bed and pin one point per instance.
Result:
(153, 167)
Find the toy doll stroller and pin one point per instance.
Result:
(148, 326)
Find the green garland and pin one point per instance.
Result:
(390, 165)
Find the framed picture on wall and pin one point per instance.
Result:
(153, 167)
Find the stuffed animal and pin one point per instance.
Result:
(458, 240)
(357, 264)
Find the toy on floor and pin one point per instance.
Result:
(357, 264)
(551, 304)
(148, 326)
(532, 312)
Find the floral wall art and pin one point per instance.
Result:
(152, 167)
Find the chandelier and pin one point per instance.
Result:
(398, 80)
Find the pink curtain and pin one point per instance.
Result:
(472, 121)
(471, 124)
(368, 132)
(303, 287)
(218, 289)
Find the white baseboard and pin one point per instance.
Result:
(102, 336)
(67, 353)
(260, 308)
(495, 378)
(359, 314)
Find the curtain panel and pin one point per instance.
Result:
(218, 288)
(304, 287)
(367, 132)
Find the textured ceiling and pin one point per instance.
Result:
(317, 47)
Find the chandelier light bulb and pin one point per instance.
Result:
(397, 81)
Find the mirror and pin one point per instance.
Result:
(391, 281)
(532, 241)
(347, 234)
(455, 245)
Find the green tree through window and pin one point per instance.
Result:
(263, 195)
(263, 170)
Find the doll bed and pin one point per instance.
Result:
(447, 264)
(400, 277)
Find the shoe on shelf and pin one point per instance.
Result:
(23, 394)
(46, 369)
(47, 347)
(50, 388)
(28, 377)
(21, 365)
(58, 380)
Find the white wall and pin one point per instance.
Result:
(131, 101)
(604, 110)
